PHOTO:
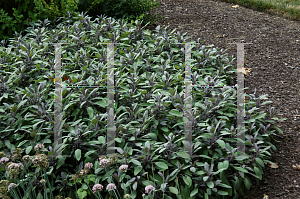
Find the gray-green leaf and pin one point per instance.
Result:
(78, 154)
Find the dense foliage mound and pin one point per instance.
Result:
(150, 160)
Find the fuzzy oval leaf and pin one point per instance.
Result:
(175, 113)
(221, 143)
(174, 190)
(90, 111)
(247, 183)
(224, 185)
(241, 169)
(194, 192)
(78, 154)
(161, 165)
(210, 184)
(165, 129)
(135, 162)
(28, 149)
(222, 193)
(187, 180)
(134, 186)
(257, 172)
(183, 154)
(137, 170)
(260, 162)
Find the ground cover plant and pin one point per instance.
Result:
(149, 79)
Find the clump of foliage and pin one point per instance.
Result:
(150, 160)
(124, 9)
(17, 15)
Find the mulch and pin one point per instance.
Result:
(273, 60)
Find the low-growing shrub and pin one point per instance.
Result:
(150, 160)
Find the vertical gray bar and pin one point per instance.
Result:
(240, 99)
(58, 99)
(187, 99)
(110, 100)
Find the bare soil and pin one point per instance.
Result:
(273, 59)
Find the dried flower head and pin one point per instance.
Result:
(88, 166)
(26, 158)
(38, 147)
(102, 157)
(83, 173)
(113, 159)
(13, 169)
(149, 189)
(111, 187)
(123, 167)
(103, 163)
(97, 187)
(17, 154)
(4, 160)
(41, 161)
(75, 177)
(11, 186)
(17, 166)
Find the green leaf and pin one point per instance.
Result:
(210, 184)
(90, 111)
(205, 178)
(21, 143)
(81, 193)
(78, 154)
(119, 140)
(98, 55)
(28, 149)
(94, 121)
(224, 185)
(137, 170)
(221, 143)
(7, 143)
(152, 136)
(165, 129)
(241, 157)
(222, 193)
(194, 192)
(175, 113)
(278, 129)
(241, 169)
(134, 185)
(102, 103)
(162, 166)
(247, 183)
(260, 116)
(183, 154)
(84, 186)
(257, 172)
(260, 162)
(174, 190)
(187, 180)
(39, 196)
(226, 164)
(135, 162)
